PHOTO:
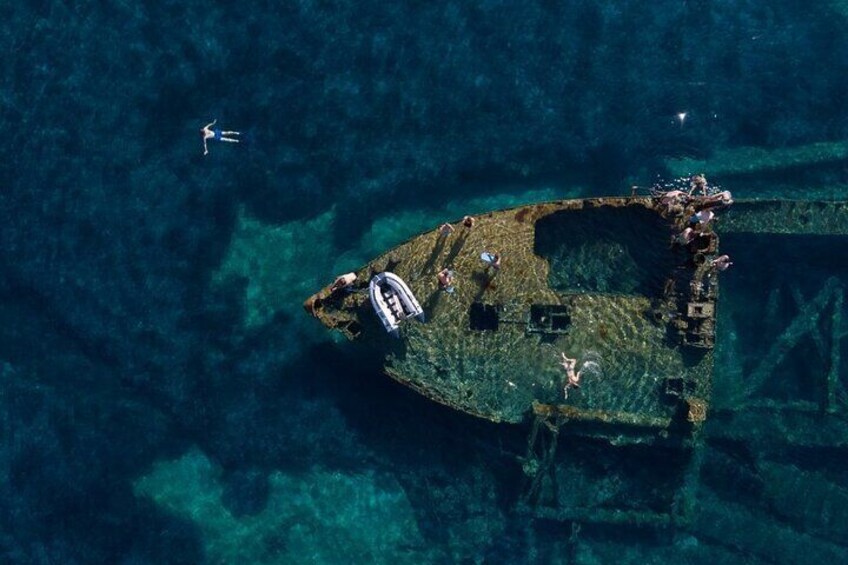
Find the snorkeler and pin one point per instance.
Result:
(216, 134)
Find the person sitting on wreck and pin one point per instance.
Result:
(572, 377)
(685, 237)
(702, 218)
(445, 278)
(674, 200)
(468, 222)
(719, 199)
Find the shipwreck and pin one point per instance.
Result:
(620, 285)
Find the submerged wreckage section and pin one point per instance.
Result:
(596, 322)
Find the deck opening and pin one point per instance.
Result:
(549, 318)
(483, 317)
(606, 249)
(352, 328)
(679, 387)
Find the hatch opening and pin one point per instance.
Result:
(484, 317)
(549, 318)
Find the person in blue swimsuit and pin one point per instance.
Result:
(216, 134)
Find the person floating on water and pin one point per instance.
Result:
(721, 263)
(216, 134)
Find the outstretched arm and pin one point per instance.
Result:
(567, 363)
(205, 150)
(212, 123)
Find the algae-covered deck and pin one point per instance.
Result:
(595, 279)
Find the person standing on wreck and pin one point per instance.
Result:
(445, 278)
(208, 133)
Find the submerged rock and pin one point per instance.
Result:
(316, 517)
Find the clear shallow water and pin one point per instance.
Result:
(608, 250)
(127, 344)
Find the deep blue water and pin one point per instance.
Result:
(123, 349)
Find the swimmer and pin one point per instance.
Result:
(698, 182)
(721, 263)
(208, 133)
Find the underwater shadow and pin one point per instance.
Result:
(428, 267)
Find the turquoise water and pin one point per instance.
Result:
(165, 399)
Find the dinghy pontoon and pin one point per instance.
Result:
(393, 301)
